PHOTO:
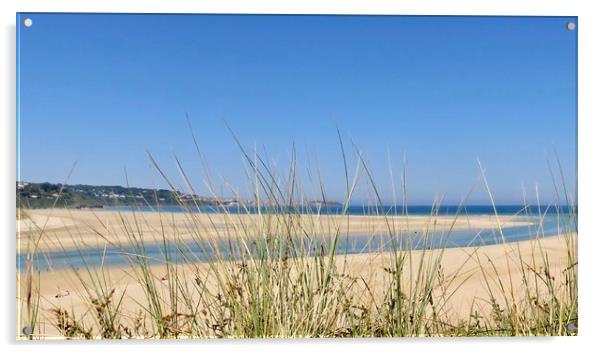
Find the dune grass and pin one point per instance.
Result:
(281, 277)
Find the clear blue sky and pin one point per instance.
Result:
(444, 91)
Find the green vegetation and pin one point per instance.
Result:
(44, 195)
(277, 288)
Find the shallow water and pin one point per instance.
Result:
(203, 251)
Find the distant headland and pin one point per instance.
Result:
(80, 196)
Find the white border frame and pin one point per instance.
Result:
(590, 24)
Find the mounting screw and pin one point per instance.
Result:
(570, 327)
(27, 331)
(27, 22)
(570, 26)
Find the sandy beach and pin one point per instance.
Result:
(65, 289)
(66, 228)
(468, 268)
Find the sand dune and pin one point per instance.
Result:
(467, 267)
(65, 289)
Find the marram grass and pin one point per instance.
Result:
(282, 277)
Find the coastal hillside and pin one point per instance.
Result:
(44, 195)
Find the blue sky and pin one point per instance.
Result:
(443, 91)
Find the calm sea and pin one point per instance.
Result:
(444, 210)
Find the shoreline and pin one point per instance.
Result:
(65, 229)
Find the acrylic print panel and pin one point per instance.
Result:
(239, 176)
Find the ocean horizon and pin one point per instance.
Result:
(360, 210)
